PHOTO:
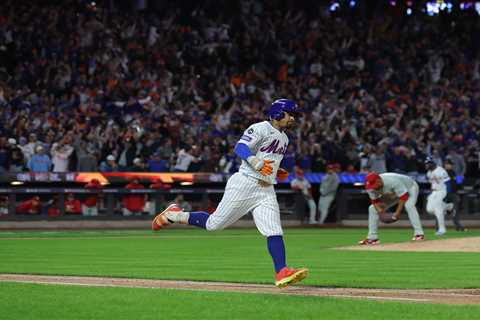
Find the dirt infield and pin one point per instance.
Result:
(450, 296)
(470, 244)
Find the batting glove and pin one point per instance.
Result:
(282, 174)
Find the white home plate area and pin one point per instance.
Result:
(450, 296)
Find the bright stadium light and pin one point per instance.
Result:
(334, 6)
(352, 3)
(409, 11)
(477, 7)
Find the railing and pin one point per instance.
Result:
(350, 203)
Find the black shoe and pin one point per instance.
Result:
(460, 229)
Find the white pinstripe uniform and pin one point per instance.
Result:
(435, 203)
(247, 190)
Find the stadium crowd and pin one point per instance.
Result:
(89, 88)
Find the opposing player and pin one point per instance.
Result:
(385, 190)
(303, 185)
(328, 190)
(261, 148)
(439, 181)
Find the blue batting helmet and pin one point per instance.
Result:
(280, 106)
(429, 160)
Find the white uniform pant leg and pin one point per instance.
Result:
(313, 211)
(266, 214)
(436, 206)
(324, 206)
(411, 208)
(372, 223)
(238, 199)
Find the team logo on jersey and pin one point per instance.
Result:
(273, 148)
(250, 131)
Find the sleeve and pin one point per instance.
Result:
(252, 137)
(444, 176)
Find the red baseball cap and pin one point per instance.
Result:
(331, 167)
(371, 180)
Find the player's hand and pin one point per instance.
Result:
(266, 169)
(282, 174)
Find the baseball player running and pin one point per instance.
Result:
(440, 182)
(261, 148)
(385, 190)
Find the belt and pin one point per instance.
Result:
(261, 183)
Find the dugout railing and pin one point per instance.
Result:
(110, 201)
(351, 203)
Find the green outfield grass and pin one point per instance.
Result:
(235, 255)
(49, 302)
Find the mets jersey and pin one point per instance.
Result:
(437, 178)
(395, 186)
(266, 143)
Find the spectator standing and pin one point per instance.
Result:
(458, 162)
(138, 166)
(39, 162)
(377, 161)
(61, 153)
(184, 159)
(15, 156)
(110, 165)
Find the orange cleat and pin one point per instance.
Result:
(161, 220)
(286, 276)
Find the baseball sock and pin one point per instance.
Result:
(276, 247)
(198, 219)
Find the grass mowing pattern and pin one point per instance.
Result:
(236, 255)
(50, 302)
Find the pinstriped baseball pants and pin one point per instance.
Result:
(242, 195)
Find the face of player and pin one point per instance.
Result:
(378, 184)
(287, 121)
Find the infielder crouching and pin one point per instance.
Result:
(386, 190)
(261, 148)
